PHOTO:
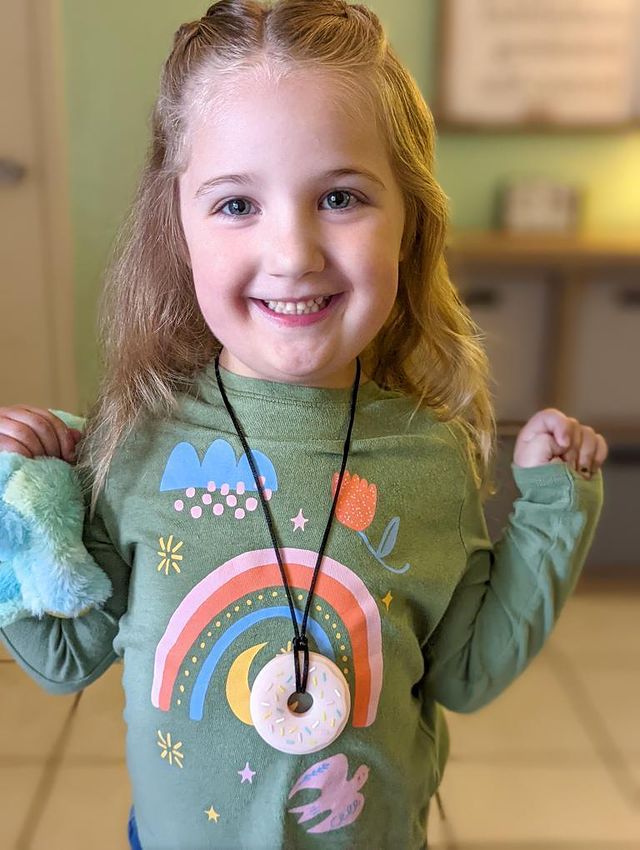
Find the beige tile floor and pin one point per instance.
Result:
(553, 764)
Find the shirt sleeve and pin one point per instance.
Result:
(66, 655)
(511, 594)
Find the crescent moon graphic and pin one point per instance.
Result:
(237, 687)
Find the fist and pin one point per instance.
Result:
(31, 432)
(551, 437)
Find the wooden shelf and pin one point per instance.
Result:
(570, 264)
(584, 343)
(501, 248)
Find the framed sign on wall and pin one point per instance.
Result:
(550, 64)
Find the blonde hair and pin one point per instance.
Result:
(153, 334)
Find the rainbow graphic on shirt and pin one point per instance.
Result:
(257, 572)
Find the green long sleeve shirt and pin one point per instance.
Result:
(414, 604)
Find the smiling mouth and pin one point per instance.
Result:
(299, 308)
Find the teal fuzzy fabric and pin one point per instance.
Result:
(44, 566)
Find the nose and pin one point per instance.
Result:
(293, 246)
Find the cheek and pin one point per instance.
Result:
(379, 245)
(223, 260)
(211, 271)
(204, 283)
(219, 296)
(378, 270)
(383, 291)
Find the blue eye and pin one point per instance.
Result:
(340, 194)
(240, 207)
(234, 203)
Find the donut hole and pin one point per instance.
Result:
(300, 703)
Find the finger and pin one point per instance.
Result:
(8, 444)
(21, 432)
(602, 451)
(587, 452)
(541, 450)
(548, 421)
(572, 454)
(39, 421)
(60, 436)
(565, 434)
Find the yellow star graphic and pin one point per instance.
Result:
(212, 814)
(387, 599)
(169, 554)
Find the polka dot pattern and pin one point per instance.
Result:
(237, 609)
(230, 500)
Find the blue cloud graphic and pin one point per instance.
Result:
(184, 469)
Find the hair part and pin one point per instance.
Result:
(153, 336)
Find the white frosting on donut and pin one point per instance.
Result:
(284, 729)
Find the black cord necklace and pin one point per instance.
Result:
(300, 642)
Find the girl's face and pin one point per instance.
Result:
(289, 198)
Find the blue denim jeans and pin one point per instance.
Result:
(132, 829)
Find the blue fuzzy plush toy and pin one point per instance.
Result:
(44, 566)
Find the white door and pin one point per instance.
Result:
(36, 348)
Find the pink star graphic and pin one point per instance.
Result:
(299, 521)
(247, 774)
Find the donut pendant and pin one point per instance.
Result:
(287, 730)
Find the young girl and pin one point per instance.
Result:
(288, 453)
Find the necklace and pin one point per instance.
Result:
(320, 714)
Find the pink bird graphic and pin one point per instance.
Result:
(339, 796)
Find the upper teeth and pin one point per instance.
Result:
(297, 307)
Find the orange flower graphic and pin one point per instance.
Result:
(356, 509)
(356, 506)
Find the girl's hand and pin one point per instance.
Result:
(551, 437)
(31, 432)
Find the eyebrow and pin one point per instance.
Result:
(243, 179)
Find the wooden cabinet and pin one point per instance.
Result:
(561, 318)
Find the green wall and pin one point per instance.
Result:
(113, 55)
